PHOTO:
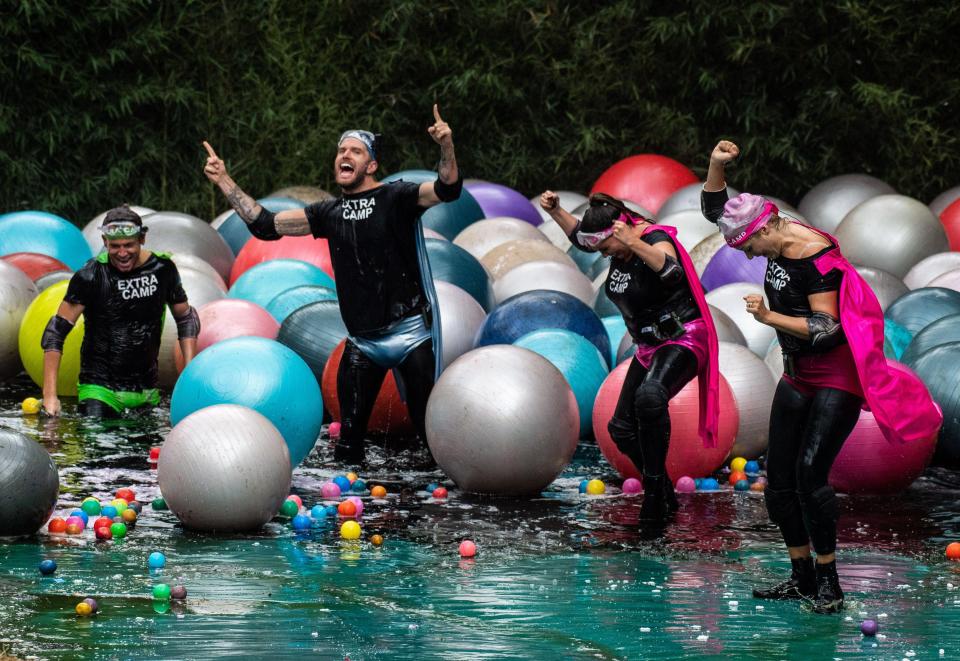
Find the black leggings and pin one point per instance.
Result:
(94, 408)
(806, 434)
(640, 426)
(359, 380)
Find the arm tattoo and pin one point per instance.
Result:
(448, 164)
(245, 206)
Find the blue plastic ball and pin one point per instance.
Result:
(109, 511)
(583, 486)
(83, 515)
(342, 482)
(332, 510)
(301, 522)
(47, 567)
(751, 467)
(709, 484)
(235, 232)
(359, 486)
(742, 485)
(318, 512)
(430, 488)
(698, 483)
(156, 560)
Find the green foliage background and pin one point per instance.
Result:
(107, 101)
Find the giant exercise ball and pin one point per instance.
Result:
(938, 368)
(687, 198)
(200, 287)
(753, 386)
(729, 299)
(262, 282)
(886, 286)
(29, 484)
(944, 199)
(915, 310)
(460, 319)
(231, 317)
(692, 227)
(569, 201)
(950, 219)
(45, 233)
(502, 420)
(826, 204)
(449, 218)
(729, 265)
(313, 332)
(187, 261)
(290, 300)
(928, 268)
(304, 248)
(774, 360)
(544, 275)
(305, 194)
(453, 264)
(34, 264)
(17, 291)
(499, 200)
(616, 330)
(647, 179)
(35, 319)
(224, 468)
(181, 233)
(483, 236)
(512, 254)
(704, 251)
(942, 331)
(261, 374)
(235, 231)
(947, 280)
(91, 231)
(727, 330)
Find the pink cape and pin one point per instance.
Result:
(708, 377)
(900, 402)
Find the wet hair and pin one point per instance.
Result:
(123, 213)
(604, 210)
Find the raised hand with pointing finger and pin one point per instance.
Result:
(448, 185)
(215, 168)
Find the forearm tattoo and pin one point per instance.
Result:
(245, 206)
(448, 164)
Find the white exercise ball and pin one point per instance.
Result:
(774, 360)
(460, 319)
(515, 252)
(827, 203)
(482, 236)
(187, 261)
(17, 291)
(544, 275)
(927, 269)
(727, 330)
(886, 286)
(753, 386)
(692, 227)
(729, 299)
(180, 233)
(568, 201)
(944, 200)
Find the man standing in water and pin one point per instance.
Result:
(123, 294)
(383, 278)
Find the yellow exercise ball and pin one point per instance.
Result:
(34, 322)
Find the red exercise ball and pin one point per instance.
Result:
(34, 264)
(227, 318)
(950, 219)
(646, 179)
(389, 415)
(305, 248)
(686, 455)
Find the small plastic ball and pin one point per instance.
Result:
(92, 603)
(83, 609)
(119, 530)
(352, 477)
(698, 482)
(758, 486)
(378, 492)
(91, 506)
(761, 480)
(709, 484)
(342, 482)
(334, 430)
(295, 498)
(126, 495)
(751, 467)
(331, 510)
(102, 522)
(78, 517)
(154, 455)
(301, 522)
(57, 525)
(74, 529)
(686, 484)
(737, 464)
(953, 550)
(178, 593)
(161, 592)
(158, 504)
(430, 487)
(31, 406)
(376, 540)
(47, 567)
(135, 506)
(869, 627)
(120, 504)
(156, 560)
(582, 488)
(129, 516)
(346, 508)
(350, 530)
(596, 487)
(467, 549)
(103, 532)
(357, 503)
(289, 508)
(358, 486)
(736, 476)
(109, 511)
(440, 492)
(318, 512)
(742, 485)
(631, 485)
(330, 490)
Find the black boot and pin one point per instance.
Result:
(670, 495)
(655, 508)
(802, 583)
(350, 452)
(829, 597)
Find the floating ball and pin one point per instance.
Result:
(295, 498)
(34, 322)
(467, 549)
(596, 487)
(376, 540)
(502, 420)
(378, 492)
(741, 485)
(75, 527)
(158, 504)
(346, 508)
(161, 592)
(178, 593)
(497, 200)
(135, 506)
(686, 484)
(129, 516)
(90, 506)
(334, 430)
(109, 511)
(449, 219)
(154, 455)
(84, 609)
(92, 603)
(102, 521)
(646, 179)
(357, 504)
(212, 451)
(827, 203)
(118, 530)
(709, 484)
(439, 492)
(289, 508)
(758, 486)
(343, 482)
(751, 467)
(156, 560)
(44, 233)
(57, 525)
(103, 532)
(120, 504)
(80, 513)
(318, 512)
(350, 530)
(47, 567)
(631, 485)
(953, 550)
(738, 464)
(330, 490)
(451, 263)
(736, 476)
(430, 487)
(31, 406)
(358, 486)
(301, 522)
(869, 627)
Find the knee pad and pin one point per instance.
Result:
(782, 505)
(820, 505)
(651, 401)
(624, 435)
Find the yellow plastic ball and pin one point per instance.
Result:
(84, 609)
(34, 322)
(31, 406)
(352, 477)
(738, 464)
(596, 487)
(350, 530)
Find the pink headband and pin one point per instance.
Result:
(743, 216)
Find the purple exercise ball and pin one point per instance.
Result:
(730, 265)
(496, 200)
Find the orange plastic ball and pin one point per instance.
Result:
(757, 486)
(378, 492)
(376, 540)
(736, 476)
(74, 529)
(347, 508)
(128, 516)
(57, 525)
(953, 550)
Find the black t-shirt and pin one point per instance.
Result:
(639, 293)
(373, 249)
(123, 319)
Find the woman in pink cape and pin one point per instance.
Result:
(830, 328)
(654, 285)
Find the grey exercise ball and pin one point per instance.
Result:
(692, 227)
(891, 232)
(188, 261)
(729, 299)
(544, 275)
(502, 420)
(17, 291)
(29, 484)
(727, 330)
(482, 236)
(313, 332)
(704, 251)
(886, 286)
(774, 360)
(52, 278)
(515, 252)
(929, 268)
(181, 233)
(753, 386)
(827, 203)
(460, 319)
(568, 201)
(944, 200)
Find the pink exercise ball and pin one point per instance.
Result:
(647, 179)
(686, 455)
(305, 248)
(230, 317)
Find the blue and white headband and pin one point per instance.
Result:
(368, 139)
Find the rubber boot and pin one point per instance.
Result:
(670, 495)
(655, 508)
(350, 452)
(829, 597)
(802, 583)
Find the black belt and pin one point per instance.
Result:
(790, 364)
(669, 325)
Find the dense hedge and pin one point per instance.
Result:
(107, 101)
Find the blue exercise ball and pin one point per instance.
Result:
(260, 374)
(235, 232)
(313, 332)
(451, 263)
(539, 309)
(289, 300)
(938, 368)
(579, 362)
(450, 218)
(941, 331)
(261, 283)
(919, 308)
(896, 339)
(616, 328)
(44, 233)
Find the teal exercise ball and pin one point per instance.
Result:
(44, 233)
(291, 300)
(451, 263)
(261, 283)
(235, 231)
(449, 218)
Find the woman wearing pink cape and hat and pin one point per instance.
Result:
(830, 328)
(654, 285)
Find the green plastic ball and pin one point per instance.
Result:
(289, 508)
(161, 592)
(91, 506)
(159, 504)
(118, 530)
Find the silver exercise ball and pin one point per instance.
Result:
(727, 331)
(568, 201)
(52, 278)
(753, 386)
(502, 420)
(555, 235)
(692, 227)
(944, 200)
(167, 372)
(91, 231)
(704, 251)
(948, 280)
(686, 198)
(544, 275)
(187, 261)
(729, 299)
(29, 484)
(886, 286)
(774, 360)
(305, 194)
(181, 233)
(927, 269)
(201, 287)
(891, 232)
(827, 203)
(460, 319)
(513, 253)
(17, 291)
(482, 236)
(224, 468)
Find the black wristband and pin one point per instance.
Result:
(263, 227)
(448, 192)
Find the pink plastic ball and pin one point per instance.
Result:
(686, 484)
(77, 521)
(631, 485)
(358, 502)
(334, 429)
(295, 498)
(329, 490)
(467, 549)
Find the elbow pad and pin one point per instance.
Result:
(448, 192)
(672, 272)
(55, 333)
(188, 325)
(825, 331)
(263, 227)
